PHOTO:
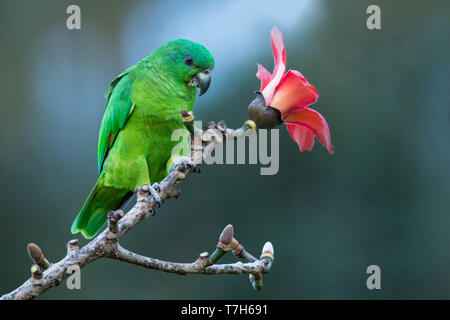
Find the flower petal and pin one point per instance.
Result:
(264, 76)
(279, 55)
(279, 52)
(302, 135)
(314, 121)
(294, 92)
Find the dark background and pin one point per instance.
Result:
(382, 198)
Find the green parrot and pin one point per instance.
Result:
(142, 110)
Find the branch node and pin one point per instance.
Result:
(248, 128)
(237, 248)
(230, 134)
(240, 252)
(175, 193)
(188, 120)
(210, 125)
(36, 274)
(213, 135)
(143, 190)
(113, 219)
(222, 126)
(187, 116)
(250, 125)
(203, 260)
(256, 281)
(72, 245)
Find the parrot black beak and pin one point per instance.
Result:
(204, 80)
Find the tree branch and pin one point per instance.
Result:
(198, 267)
(45, 275)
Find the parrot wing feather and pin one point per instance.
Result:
(118, 109)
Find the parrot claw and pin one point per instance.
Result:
(196, 169)
(153, 191)
(186, 162)
(156, 187)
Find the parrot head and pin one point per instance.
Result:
(187, 62)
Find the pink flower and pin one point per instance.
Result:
(291, 94)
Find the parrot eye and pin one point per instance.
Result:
(189, 61)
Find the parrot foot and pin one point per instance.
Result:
(157, 188)
(147, 188)
(186, 163)
(154, 189)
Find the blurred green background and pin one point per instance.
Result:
(382, 198)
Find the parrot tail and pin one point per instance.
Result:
(93, 214)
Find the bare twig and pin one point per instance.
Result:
(196, 267)
(106, 244)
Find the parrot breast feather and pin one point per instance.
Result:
(117, 111)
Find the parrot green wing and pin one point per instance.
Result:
(118, 109)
